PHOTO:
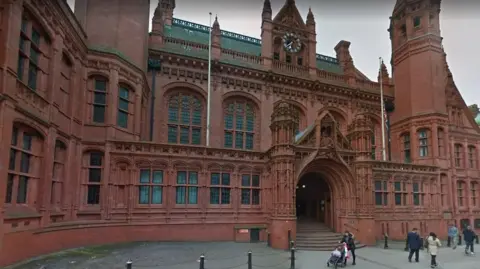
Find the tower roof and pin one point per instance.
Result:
(197, 33)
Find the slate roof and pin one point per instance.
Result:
(196, 33)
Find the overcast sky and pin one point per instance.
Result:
(363, 22)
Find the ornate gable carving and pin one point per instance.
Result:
(289, 16)
(327, 129)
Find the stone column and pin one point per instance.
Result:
(45, 176)
(137, 117)
(435, 153)
(112, 101)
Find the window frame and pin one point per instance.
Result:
(406, 147)
(472, 154)
(178, 127)
(32, 46)
(221, 187)
(474, 194)
(402, 193)
(122, 111)
(460, 188)
(248, 135)
(420, 193)
(151, 186)
(251, 188)
(58, 174)
(15, 175)
(187, 185)
(458, 155)
(423, 139)
(381, 191)
(97, 104)
(90, 184)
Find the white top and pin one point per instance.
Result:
(336, 253)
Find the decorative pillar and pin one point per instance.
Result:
(284, 122)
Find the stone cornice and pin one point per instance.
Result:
(269, 77)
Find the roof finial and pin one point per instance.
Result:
(310, 17)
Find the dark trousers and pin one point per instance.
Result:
(433, 260)
(467, 245)
(417, 254)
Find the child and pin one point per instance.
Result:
(335, 256)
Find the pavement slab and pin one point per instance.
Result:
(229, 255)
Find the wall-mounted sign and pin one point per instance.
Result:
(243, 231)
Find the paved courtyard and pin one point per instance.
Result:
(227, 255)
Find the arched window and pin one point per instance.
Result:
(58, 174)
(34, 44)
(406, 147)
(474, 193)
(458, 155)
(472, 160)
(461, 193)
(123, 106)
(184, 119)
(441, 142)
(423, 142)
(63, 94)
(99, 86)
(24, 165)
(93, 164)
(239, 121)
(444, 189)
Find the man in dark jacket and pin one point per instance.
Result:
(414, 243)
(469, 236)
(348, 239)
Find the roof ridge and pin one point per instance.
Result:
(239, 37)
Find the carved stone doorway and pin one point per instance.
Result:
(313, 199)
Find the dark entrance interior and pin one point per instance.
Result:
(313, 199)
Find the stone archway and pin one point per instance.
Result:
(333, 185)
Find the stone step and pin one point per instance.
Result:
(320, 248)
(322, 236)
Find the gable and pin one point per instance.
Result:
(196, 33)
(290, 16)
(455, 99)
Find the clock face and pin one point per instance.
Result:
(291, 43)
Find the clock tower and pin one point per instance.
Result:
(287, 39)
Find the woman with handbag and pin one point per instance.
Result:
(433, 243)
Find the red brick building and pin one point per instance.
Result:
(103, 130)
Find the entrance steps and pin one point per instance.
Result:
(317, 236)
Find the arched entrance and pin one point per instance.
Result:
(324, 192)
(313, 199)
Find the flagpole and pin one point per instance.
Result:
(382, 112)
(209, 89)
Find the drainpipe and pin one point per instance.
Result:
(154, 65)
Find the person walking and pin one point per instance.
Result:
(469, 235)
(349, 240)
(433, 244)
(414, 243)
(453, 235)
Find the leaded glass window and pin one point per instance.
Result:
(185, 119)
(239, 125)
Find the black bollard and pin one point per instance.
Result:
(422, 247)
(202, 262)
(249, 260)
(292, 258)
(268, 240)
(459, 240)
(289, 235)
(449, 241)
(406, 245)
(476, 239)
(129, 264)
(385, 245)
